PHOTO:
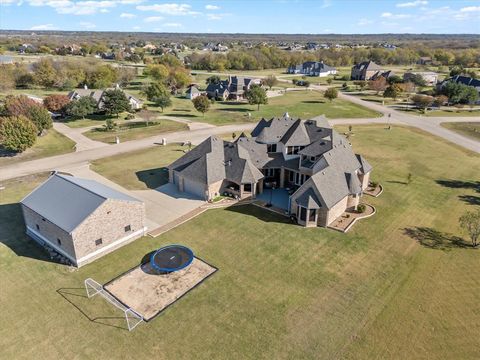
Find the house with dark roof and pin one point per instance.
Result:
(461, 79)
(310, 160)
(82, 219)
(192, 92)
(98, 96)
(312, 68)
(368, 70)
(234, 88)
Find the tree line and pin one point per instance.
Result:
(264, 57)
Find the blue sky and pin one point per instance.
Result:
(250, 16)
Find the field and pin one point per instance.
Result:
(303, 104)
(139, 170)
(135, 130)
(399, 285)
(470, 129)
(53, 143)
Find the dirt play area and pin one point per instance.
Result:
(148, 292)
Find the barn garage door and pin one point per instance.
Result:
(194, 188)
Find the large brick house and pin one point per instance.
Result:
(82, 219)
(368, 70)
(98, 96)
(234, 88)
(309, 159)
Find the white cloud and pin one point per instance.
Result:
(173, 25)
(136, 28)
(214, 17)
(395, 16)
(326, 3)
(169, 9)
(412, 4)
(153, 18)
(7, 2)
(87, 7)
(364, 21)
(87, 25)
(470, 9)
(43, 27)
(127, 15)
(212, 7)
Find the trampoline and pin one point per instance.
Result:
(171, 258)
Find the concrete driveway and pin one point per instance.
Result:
(163, 205)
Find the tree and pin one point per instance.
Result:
(409, 178)
(40, 117)
(470, 222)
(440, 100)
(110, 124)
(201, 103)
(163, 101)
(361, 84)
(392, 91)
(270, 81)
(158, 72)
(178, 79)
(331, 94)
(154, 90)
(125, 75)
(329, 81)
(379, 84)
(214, 79)
(422, 101)
(459, 93)
(256, 95)
(56, 103)
(7, 77)
(18, 105)
(115, 102)
(81, 107)
(101, 77)
(17, 133)
(394, 79)
(44, 73)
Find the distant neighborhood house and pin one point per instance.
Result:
(430, 77)
(98, 96)
(465, 80)
(312, 68)
(192, 92)
(233, 88)
(368, 70)
(82, 219)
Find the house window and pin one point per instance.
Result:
(38, 227)
(311, 217)
(303, 214)
(271, 147)
(59, 242)
(128, 228)
(289, 150)
(98, 242)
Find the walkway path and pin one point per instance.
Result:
(83, 142)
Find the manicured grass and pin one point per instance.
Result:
(303, 104)
(139, 170)
(53, 143)
(470, 129)
(445, 113)
(134, 130)
(281, 291)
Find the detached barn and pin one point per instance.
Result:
(82, 219)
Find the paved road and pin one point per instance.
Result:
(65, 160)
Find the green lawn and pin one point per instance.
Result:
(135, 130)
(385, 290)
(53, 143)
(139, 170)
(445, 113)
(470, 129)
(303, 104)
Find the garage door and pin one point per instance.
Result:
(194, 188)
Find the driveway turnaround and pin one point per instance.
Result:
(163, 205)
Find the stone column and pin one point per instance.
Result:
(282, 178)
(260, 186)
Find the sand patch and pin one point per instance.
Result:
(148, 292)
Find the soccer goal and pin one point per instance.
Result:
(93, 288)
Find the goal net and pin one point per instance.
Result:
(94, 288)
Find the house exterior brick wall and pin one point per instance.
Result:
(50, 231)
(108, 223)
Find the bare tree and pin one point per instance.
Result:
(470, 222)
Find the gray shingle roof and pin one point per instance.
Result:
(67, 201)
(309, 200)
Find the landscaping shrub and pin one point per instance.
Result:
(361, 208)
